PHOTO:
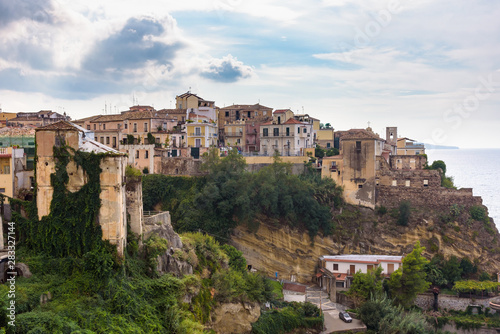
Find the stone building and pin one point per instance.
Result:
(112, 214)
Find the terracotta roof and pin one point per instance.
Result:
(90, 118)
(294, 287)
(357, 134)
(246, 107)
(188, 94)
(281, 111)
(172, 111)
(293, 121)
(61, 125)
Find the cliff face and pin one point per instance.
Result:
(273, 248)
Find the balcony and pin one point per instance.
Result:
(197, 134)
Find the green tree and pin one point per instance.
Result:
(439, 164)
(452, 271)
(468, 268)
(405, 284)
(332, 151)
(319, 152)
(366, 285)
(404, 213)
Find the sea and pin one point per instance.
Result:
(478, 169)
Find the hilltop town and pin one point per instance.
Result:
(74, 184)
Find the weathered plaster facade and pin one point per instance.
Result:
(112, 214)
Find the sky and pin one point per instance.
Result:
(431, 68)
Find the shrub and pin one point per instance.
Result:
(381, 210)
(145, 170)
(404, 213)
(478, 213)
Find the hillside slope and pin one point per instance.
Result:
(274, 248)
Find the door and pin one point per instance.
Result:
(352, 269)
(390, 268)
(195, 152)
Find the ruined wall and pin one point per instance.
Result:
(407, 161)
(409, 178)
(185, 166)
(428, 197)
(359, 172)
(112, 214)
(134, 205)
(297, 169)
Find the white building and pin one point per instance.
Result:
(343, 267)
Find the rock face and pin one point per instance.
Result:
(235, 318)
(291, 253)
(160, 225)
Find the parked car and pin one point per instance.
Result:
(345, 316)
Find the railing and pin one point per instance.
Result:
(151, 213)
(197, 134)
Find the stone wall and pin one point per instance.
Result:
(426, 300)
(407, 161)
(416, 178)
(297, 168)
(428, 197)
(134, 205)
(183, 166)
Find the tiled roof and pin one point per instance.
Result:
(172, 111)
(90, 118)
(293, 121)
(246, 107)
(61, 125)
(281, 111)
(294, 287)
(357, 134)
(362, 258)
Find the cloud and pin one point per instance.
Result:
(35, 10)
(137, 43)
(226, 69)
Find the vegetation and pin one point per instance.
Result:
(405, 284)
(229, 196)
(444, 273)
(446, 181)
(293, 315)
(381, 316)
(366, 285)
(404, 213)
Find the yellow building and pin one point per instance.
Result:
(13, 173)
(235, 134)
(325, 138)
(407, 146)
(201, 132)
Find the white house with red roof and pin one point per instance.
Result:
(286, 135)
(343, 267)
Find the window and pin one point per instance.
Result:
(276, 132)
(145, 127)
(360, 186)
(137, 154)
(352, 269)
(390, 268)
(197, 131)
(6, 169)
(114, 141)
(298, 130)
(238, 141)
(305, 130)
(146, 154)
(107, 140)
(327, 145)
(335, 266)
(2, 190)
(197, 143)
(279, 119)
(265, 132)
(94, 126)
(249, 114)
(426, 183)
(394, 183)
(227, 113)
(125, 125)
(102, 140)
(157, 140)
(287, 132)
(407, 183)
(88, 127)
(358, 146)
(264, 113)
(104, 126)
(417, 152)
(135, 127)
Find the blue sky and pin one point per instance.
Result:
(432, 68)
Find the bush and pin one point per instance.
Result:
(381, 210)
(478, 213)
(404, 213)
